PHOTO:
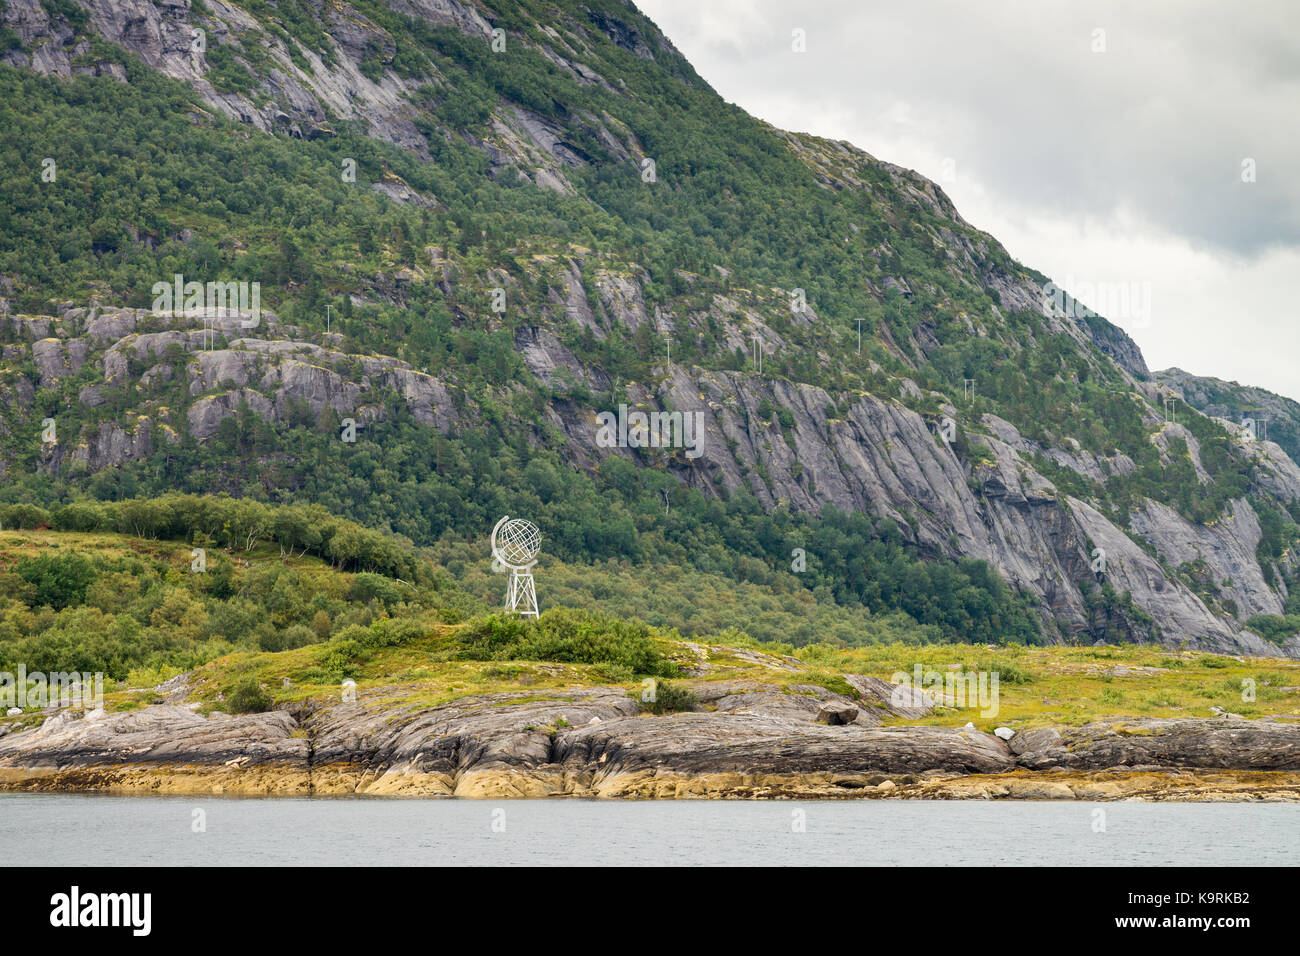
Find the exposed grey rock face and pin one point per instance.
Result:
(110, 443)
(1229, 544)
(1223, 744)
(1276, 416)
(591, 734)
(1117, 343)
(296, 99)
(206, 414)
(534, 143)
(593, 741)
(620, 295)
(316, 387)
(446, 13)
(1172, 430)
(1279, 475)
(118, 357)
(699, 743)
(574, 300)
(883, 458)
(213, 369)
(31, 327)
(881, 697)
(270, 374)
(427, 397)
(1131, 569)
(552, 363)
(111, 325)
(57, 359)
(1036, 741)
(159, 734)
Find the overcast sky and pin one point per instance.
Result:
(1094, 157)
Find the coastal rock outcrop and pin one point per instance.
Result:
(746, 740)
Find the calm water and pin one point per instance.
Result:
(104, 830)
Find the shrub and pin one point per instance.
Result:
(299, 635)
(564, 634)
(247, 697)
(79, 516)
(1007, 672)
(82, 639)
(367, 586)
(321, 625)
(60, 579)
(390, 632)
(344, 656)
(667, 699)
(836, 685)
(24, 517)
(615, 673)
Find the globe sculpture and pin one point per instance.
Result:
(515, 545)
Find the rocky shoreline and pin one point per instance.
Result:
(743, 741)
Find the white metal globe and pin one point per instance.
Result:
(518, 541)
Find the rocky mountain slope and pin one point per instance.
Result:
(1273, 417)
(556, 180)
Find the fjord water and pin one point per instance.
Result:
(122, 831)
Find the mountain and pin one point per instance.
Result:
(481, 233)
(1275, 417)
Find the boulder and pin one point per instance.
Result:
(836, 713)
(1040, 738)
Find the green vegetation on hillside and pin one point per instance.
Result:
(91, 600)
(116, 587)
(439, 489)
(152, 182)
(266, 627)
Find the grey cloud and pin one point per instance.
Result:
(1155, 128)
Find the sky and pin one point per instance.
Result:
(1148, 147)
